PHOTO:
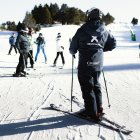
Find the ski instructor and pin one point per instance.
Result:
(91, 40)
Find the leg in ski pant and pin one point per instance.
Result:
(97, 89)
(15, 49)
(22, 63)
(38, 50)
(57, 55)
(62, 57)
(12, 46)
(91, 91)
(43, 51)
(30, 56)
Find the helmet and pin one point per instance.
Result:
(94, 13)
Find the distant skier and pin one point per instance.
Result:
(90, 40)
(59, 49)
(22, 43)
(40, 41)
(12, 40)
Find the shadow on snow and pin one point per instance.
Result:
(39, 125)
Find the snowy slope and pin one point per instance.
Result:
(24, 102)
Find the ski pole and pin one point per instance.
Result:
(73, 56)
(106, 89)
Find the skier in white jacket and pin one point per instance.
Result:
(59, 49)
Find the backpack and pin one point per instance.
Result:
(12, 40)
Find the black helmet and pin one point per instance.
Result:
(94, 13)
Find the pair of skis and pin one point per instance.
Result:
(114, 126)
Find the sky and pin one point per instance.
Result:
(122, 10)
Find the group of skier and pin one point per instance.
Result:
(90, 40)
(24, 43)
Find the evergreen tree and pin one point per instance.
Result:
(46, 16)
(11, 26)
(54, 9)
(20, 26)
(42, 15)
(108, 19)
(82, 16)
(36, 14)
(73, 16)
(29, 21)
(61, 15)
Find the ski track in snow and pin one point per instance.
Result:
(48, 91)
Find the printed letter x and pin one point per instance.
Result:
(94, 38)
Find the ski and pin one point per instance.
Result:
(114, 123)
(102, 123)
(104, 118)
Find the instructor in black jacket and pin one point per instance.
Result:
(23, 45)
(91, 40)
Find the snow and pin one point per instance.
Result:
(24, 101)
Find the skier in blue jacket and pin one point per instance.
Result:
(12, 41)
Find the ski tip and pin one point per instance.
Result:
(129, 132)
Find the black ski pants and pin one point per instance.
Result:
(62, 57)
(11, 47)
(30, 56)
(91, 90)
(22, 62)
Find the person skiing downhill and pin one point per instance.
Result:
(91, 40)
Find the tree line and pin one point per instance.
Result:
(47, 15)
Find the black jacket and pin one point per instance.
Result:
(40, 41)
(22, 43)
(90, 41)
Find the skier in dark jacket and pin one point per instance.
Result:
(91, 40)
(22, 44)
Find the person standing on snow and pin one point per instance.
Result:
(40, 41)
(30, 54)
(22, 44)
(12, 41)
(91, 40)
(59, 49)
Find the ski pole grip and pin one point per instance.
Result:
(73, 56)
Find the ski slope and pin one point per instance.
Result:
(24, 101)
